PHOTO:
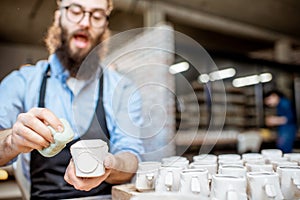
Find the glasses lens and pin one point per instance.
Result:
(75, 13)
(98, 18)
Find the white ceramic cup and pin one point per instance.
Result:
(264, 186)
(212, 168)
(146, 175)
(252, 167)
(256, 158)
(231, 157)
(271, 153)
(175, 161)
(283, 163)
(231, 162)
(226, 187)
(290, 181)
(194, 181)
(168, 179)
(233, 170)
(205, 158)
(88, 156)
(293, 157)
(251, 156)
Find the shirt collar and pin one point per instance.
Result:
(57, 69)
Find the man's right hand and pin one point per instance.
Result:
(29, 132)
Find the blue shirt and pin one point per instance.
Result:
(76, 102)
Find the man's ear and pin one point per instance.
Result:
(57, 16)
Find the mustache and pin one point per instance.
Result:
(82, 33)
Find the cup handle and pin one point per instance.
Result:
(296, 182)
(150, 180)
(270, 191)
(232, 195)
(169, 180)
(195, 185)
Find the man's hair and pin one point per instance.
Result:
(109, 4)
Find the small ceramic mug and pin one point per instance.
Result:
(289, 181)
(264, 186)
(194, 181)
(225, 187)
(146, 175)
(88, 156)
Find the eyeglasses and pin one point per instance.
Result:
(75, 13)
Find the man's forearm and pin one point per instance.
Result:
(125, 167)
(6, 151)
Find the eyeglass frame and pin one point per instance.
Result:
(84, 12)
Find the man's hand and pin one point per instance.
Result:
(119, 169)
(86, 184)
(29, 132)
(275, 120)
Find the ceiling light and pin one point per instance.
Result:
(252, 80)
(265, 77)
(179, 67)
(222, 74)
(203, 78)
(246, 81)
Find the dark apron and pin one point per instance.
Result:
(47, 174)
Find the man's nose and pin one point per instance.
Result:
(85, 22)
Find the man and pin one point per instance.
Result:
(35, 97)
(285, 119)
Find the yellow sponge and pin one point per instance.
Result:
(3, 174)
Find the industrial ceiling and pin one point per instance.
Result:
(237, 26)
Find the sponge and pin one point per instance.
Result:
(3, 174)
(61, 139)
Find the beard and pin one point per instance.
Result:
(80, 64)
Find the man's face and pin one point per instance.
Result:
(272, 100)
(82, 36)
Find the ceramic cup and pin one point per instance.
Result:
(229, 157)
(168, 179)
(231, 162)
(251, 156)
(255, 158)
(146, 175)
(290, 181)
(233, 170)
(271, 153)
(194, 181)
(212, 168)
(225, 187)
(88, 156)
(264, 186)
(283, 163)
(259, 167)
(175, 161)
(293, 157)
(205, 158)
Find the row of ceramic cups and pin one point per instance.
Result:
(227, 176)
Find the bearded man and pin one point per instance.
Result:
(72, 85)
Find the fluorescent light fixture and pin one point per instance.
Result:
(179, 67)
(217, 75)
(203, 78)
(252, 80)
(222, 74)
(265, 77)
